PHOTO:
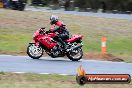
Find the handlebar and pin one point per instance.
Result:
(43, 27)
(41, 30)
(47, 32)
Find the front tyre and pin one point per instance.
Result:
(75, 55)
(34, 51)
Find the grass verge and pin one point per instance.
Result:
(28, 80)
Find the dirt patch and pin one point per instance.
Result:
(13, 53)
(97, 56)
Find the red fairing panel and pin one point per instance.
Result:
(45, 40)
(74, 38)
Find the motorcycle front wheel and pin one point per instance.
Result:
(34, 51)
(75, 55)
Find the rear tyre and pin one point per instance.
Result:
(72, 54)
(34, 51)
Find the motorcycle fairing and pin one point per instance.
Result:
(47, 41)
(74, 38)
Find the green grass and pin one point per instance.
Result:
(120, 45)
(16, 29)
(28, 80)
(14, 42)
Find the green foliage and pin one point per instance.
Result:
(122, 5)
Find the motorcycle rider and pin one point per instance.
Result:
(59, 27)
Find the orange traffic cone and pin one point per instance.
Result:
(103, 45)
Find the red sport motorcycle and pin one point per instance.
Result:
(45, 41)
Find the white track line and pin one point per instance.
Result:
(41, 73)
(19, 72)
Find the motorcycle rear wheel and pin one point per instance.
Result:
(71, 54)
(34, 51)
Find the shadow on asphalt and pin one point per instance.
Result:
(56, 60)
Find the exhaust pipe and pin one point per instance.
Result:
(77, 46)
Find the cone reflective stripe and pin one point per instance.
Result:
(104, 45)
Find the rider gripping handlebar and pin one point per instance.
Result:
(58, 26)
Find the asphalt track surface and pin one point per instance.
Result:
(92, 14)
(47, 65)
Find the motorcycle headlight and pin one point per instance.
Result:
(33, 35)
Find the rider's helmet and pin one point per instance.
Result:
(53, 19)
